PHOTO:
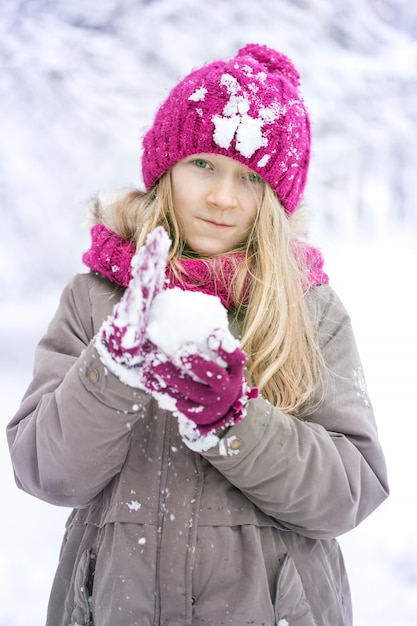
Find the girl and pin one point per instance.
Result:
(208, 481)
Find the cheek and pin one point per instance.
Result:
(251, 216)
(178, 207)
(177, 190)
(176, 200)
(181, 217)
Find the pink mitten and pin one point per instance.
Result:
(206, 392)
(124, 331)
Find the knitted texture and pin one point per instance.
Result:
(111, 256)
(247, 108)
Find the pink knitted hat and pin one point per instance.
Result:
(247, 108)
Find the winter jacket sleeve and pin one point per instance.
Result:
(323, 475)
(71, 434)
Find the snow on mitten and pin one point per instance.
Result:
(123, 334)
(211, 392)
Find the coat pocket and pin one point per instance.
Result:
(83, 589)
(291, 605)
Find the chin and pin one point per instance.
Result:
(212, 252)
(209, 250)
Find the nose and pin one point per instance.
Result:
(222, 192)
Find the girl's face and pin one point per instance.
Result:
(216, 200)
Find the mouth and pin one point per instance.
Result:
(216, 225)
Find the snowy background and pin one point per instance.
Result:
(79, 81)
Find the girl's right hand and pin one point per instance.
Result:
(123, 333)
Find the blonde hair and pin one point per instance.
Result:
(277, 335)
(278, 332)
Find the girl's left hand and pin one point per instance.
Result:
(211, 393)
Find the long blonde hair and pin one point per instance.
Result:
(277, 335)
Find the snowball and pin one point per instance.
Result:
(177, 317)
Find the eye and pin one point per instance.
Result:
(202, 163)
(253, 178)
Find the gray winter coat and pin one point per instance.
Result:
(161, 535)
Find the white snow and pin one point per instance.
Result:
(76, 92)
(134, 505)
(264, 160)
(249, 135)
(225, 448)
(236, 121)
(198, 94)
(225, 129)
(192, 437)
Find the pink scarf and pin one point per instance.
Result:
(110, 256)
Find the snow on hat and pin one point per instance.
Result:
(247, 108)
